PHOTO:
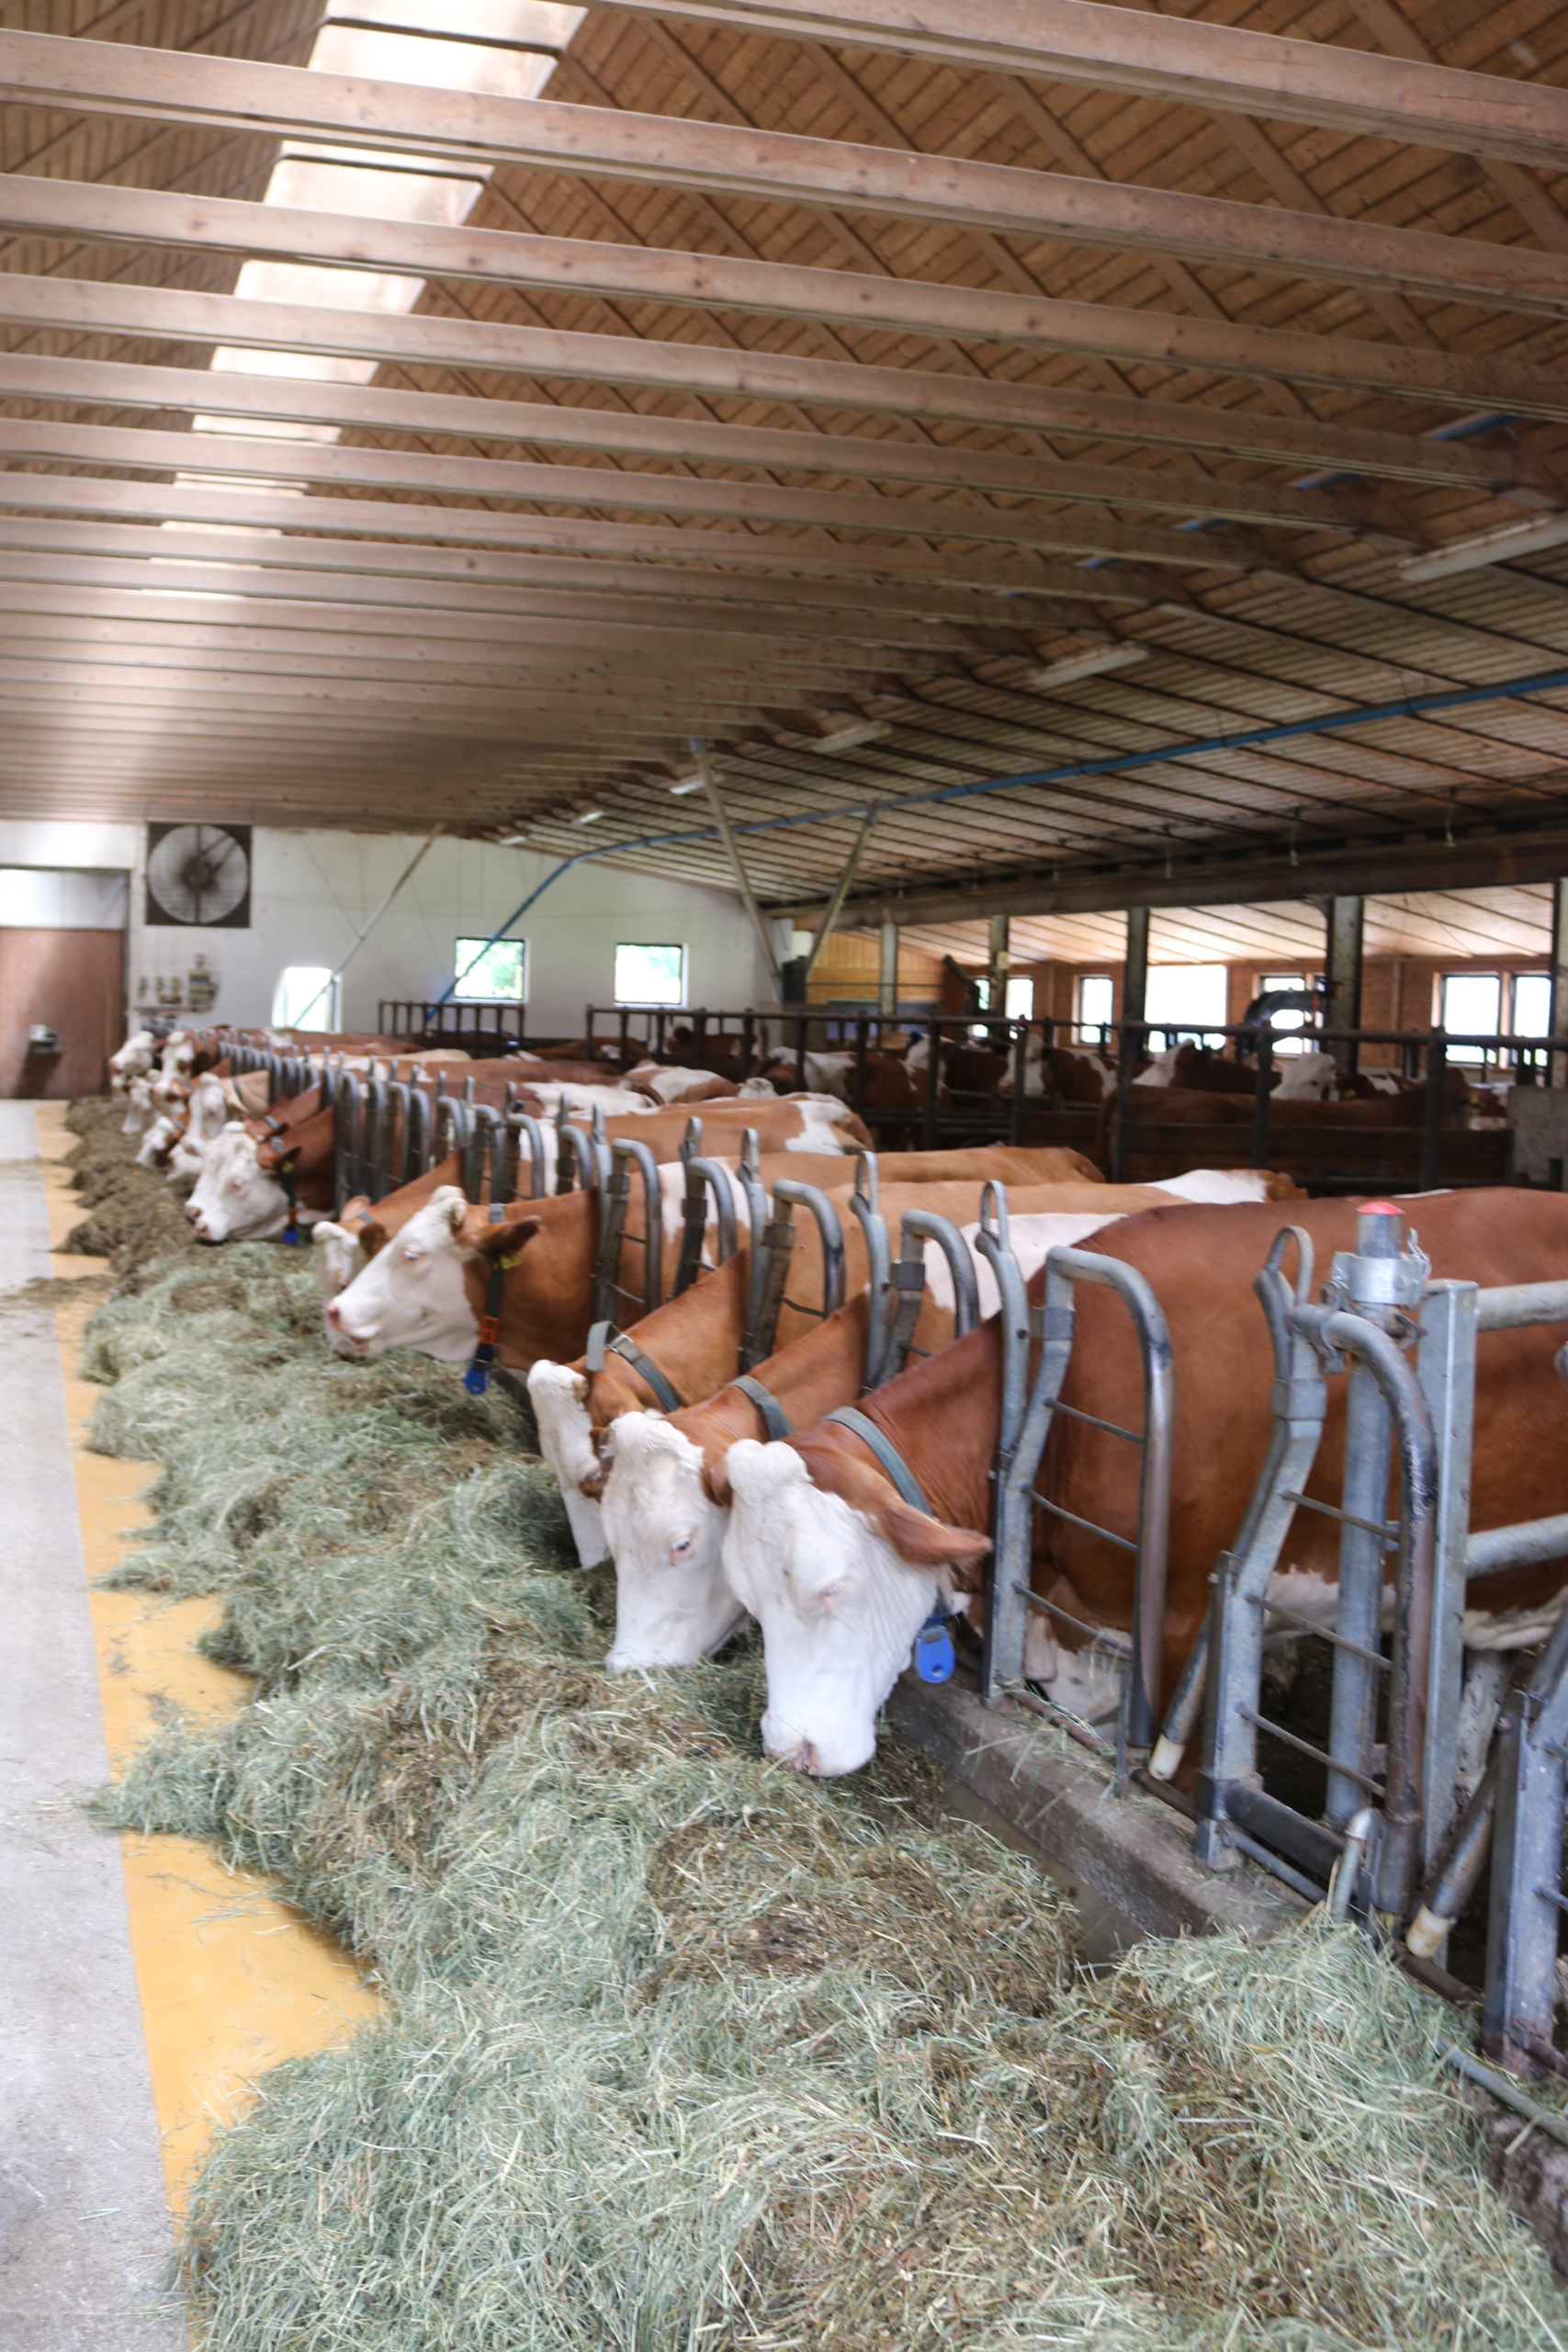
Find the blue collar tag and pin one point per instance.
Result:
(476, 1380)
(934, 1656)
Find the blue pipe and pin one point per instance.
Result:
(1117, 763)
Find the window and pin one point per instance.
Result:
(1020, 999)
(1189, 996)
(306, 997)
(1285, 1022)
(647, 975)
(1096, 994)
(490, 973)
(1470, 1004)
(1532, 1004)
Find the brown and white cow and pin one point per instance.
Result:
(841, 1572)
(694, 1345)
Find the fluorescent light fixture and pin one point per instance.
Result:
(867, 731)
(686, 784)
(588, 817)
(1486, 547)
(1092, 664)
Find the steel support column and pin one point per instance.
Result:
(999, 960)
(1558, 1063)
(1342, 972)
(1135, 997)
(887, 970)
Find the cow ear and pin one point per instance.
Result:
(716, 1479)
(499, 1241)
(373, 1236)
(925, 1543)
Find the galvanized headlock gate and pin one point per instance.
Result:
(706, 1179)
(615, 1199)
(898, 1286)
(1028, 1414)
(1367, 1318)
(771, 1259)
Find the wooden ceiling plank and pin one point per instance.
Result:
(88, 306)
(293, 399)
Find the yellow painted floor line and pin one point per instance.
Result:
(231, 1979)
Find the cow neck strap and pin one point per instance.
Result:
(850, 1417)
(601, 1344)
(476, 1380)
(934, 1656)
(775, 1420)
(284, 1171)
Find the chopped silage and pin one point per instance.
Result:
(681, 2051)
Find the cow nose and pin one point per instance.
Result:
(806, 1759)
(335, 1314)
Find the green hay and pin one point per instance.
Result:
(682, 2051)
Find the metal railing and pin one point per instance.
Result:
(485, 1031)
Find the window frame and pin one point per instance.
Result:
(482, 947)
(330, 1000)
(1084, 1024)
(651, 1003)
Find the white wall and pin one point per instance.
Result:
(311, 891)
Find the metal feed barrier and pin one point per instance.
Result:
(1402, 1841)
(1028, 1414)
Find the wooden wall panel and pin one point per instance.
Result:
(70, 980)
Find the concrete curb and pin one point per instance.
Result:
(1130, 1854)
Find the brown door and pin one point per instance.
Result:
(70, 980)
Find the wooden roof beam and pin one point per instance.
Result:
(773, 167)
(881, 613)
(692, 440)
(71, 494)
(1373, 97)
(476, 614)
(1178, 60)
(338, 466)
(81, 213)
(87, 306)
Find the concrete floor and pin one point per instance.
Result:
(85, 2237)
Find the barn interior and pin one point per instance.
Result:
(518, 518)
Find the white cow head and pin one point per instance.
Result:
(163, 1132)
(1307, 1078)
(674, 1603)
(206, 1118)
(133, 1060)
(138, 1105)
(840, 1595)
(234, 1200)
(337, 1258)
(560, 1397)
(411, 1294)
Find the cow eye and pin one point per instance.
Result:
(680, 1546)
(833, 1593)
(413, 1256)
